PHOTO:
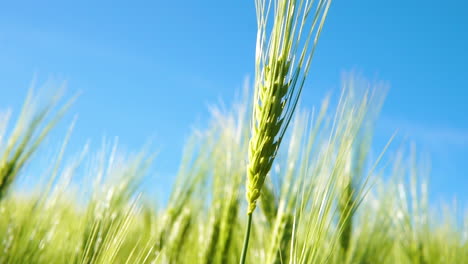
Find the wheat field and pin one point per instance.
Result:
(265, 181)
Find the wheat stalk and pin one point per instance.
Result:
(282, 64)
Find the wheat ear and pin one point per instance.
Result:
(282, 64)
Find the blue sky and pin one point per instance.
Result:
(149, 69)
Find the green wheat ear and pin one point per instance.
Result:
(283, 58)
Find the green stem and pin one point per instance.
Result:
(246, 239)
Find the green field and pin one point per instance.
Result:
(309, 181)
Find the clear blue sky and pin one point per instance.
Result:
(149, 69)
